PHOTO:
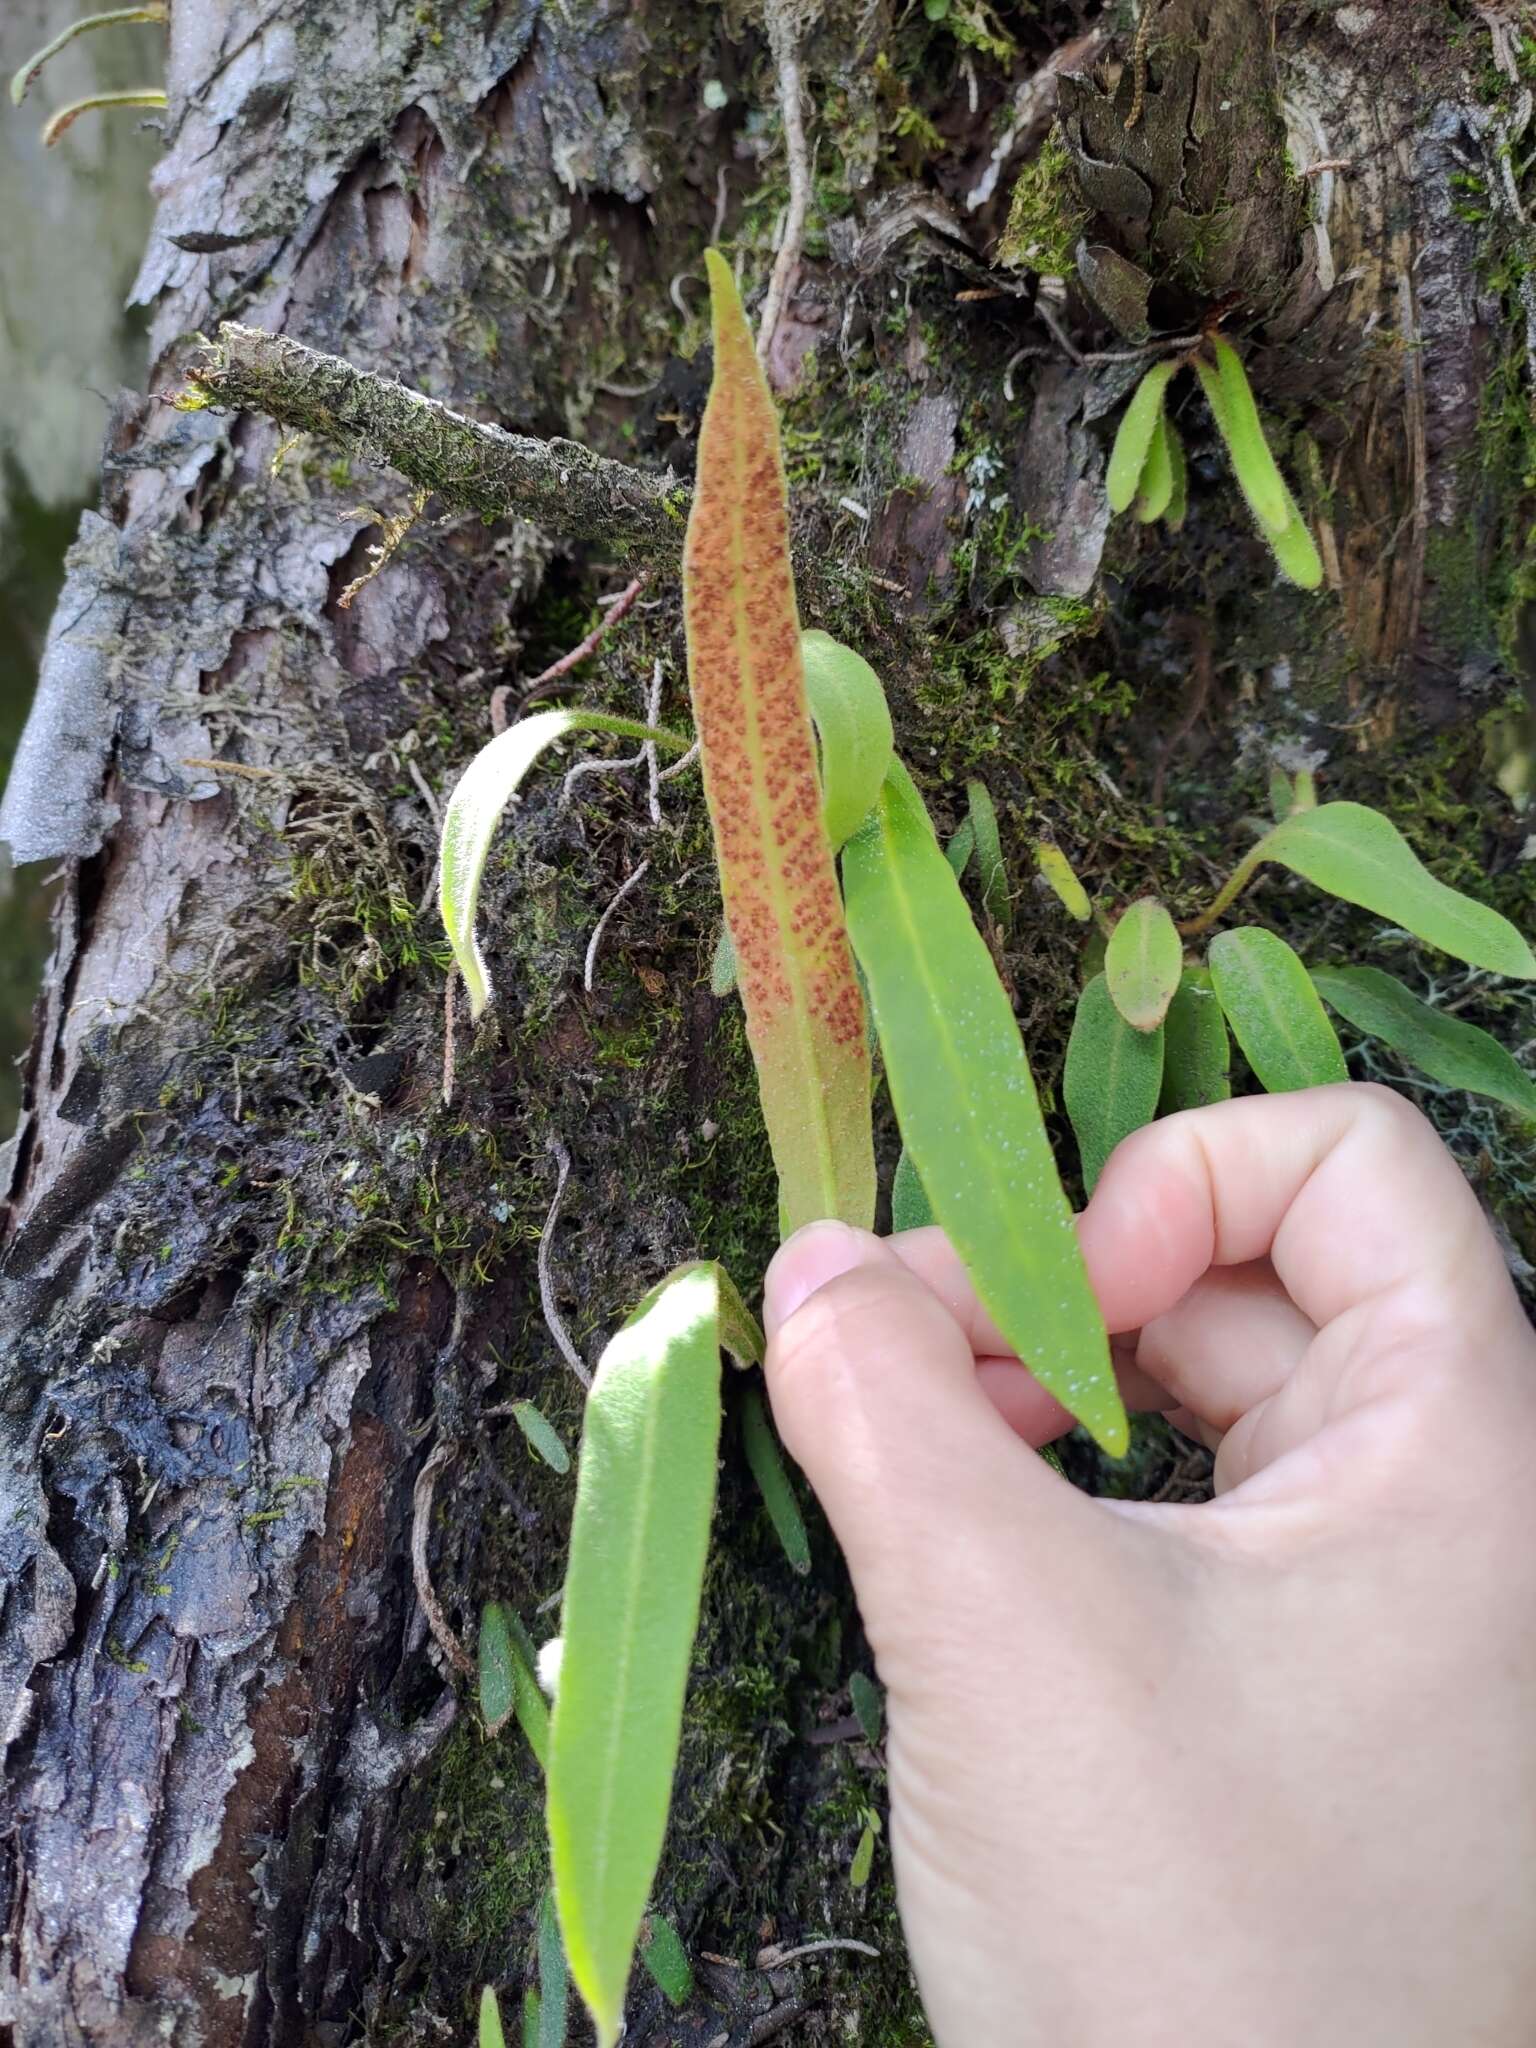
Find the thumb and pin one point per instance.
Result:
(875, 1394)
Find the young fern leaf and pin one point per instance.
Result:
(1358, 855)
(1133, 438)
(490, 2035)
(509, 1682)
(966, 1104)
(1282, 795)
(1175, 511)
(804, 1013)
(474, 811)
(1243, 432)
(1456, 1054)
(853, 725)
(1269, 499)
(1197, 1053)
(767, 1468)
(1111, 1080)
(989, 856)
(543, 1437)
(1156, 489)
(1057, 870)
(1142, 964)
(1275, 1013)
(532, 2018)
(644, 1496)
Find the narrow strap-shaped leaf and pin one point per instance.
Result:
(767, 1468)
(989, 855)
(554, 1992)
(853, 724)
(804, 1013)
(1458, 1054)
(910, 1206)
(1133, 438)
(722, 967)
(639, 1536)
(1243, 431)
(663, 1954)
(1275, 1013)
(960, 848)
(1156, 487)
(532, 2017)
(1177, 508)
(863, 1858)
(1197, 1053)
(491, 2035)
(474, 811)
(1111, 1080)
(542, 1435)
(1142, 963)
(1282, 794)
(966, 1104)
(1057, 870)
(1355, 853)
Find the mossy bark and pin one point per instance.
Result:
(256, 1269)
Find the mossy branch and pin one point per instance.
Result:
(558, 485)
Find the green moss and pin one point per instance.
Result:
(1046, 218)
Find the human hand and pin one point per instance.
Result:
(1260, 1771)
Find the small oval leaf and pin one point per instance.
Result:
(1111, 1079)
(1057, 870)
(868, 1706)
(1197, 1053)
(966, 1104)
(1355, 853)
(773, 1483)
(1275, 1012)
(663, 1954)
(1133, 438)
(1142, 964)
(863, 1858)
(494, 1665)
(853, 724)
(544, 1438)
(1457, 1054)
(639, 1536)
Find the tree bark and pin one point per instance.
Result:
(256, 1270)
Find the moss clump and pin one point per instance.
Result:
(1046, 217)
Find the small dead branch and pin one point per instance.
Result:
(772, 2024)
(547, 1303)
(421, 1522)
(559, 485)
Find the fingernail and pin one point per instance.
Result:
(817, 1253)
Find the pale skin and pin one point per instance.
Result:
(1258, 1773)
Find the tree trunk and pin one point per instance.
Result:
(258, 1273)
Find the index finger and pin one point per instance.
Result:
(1346, 1190)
